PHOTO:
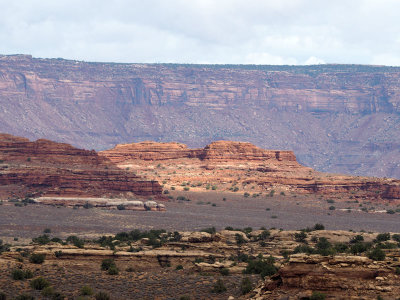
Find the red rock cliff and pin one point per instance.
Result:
(60, 169)
(216, 151)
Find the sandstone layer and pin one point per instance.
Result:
(241, 167)
(336, 118)
(48, 168)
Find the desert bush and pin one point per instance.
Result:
(224, 271)
(218, 287)
(300, 236)
(324, 247)
(341, 247)
(246, 286)
(39, 283)
(76, 241)
(184, 297)
(17, 274)
(319, 226)
(264, 267)
(48, 291)
(87, 205)
(121, 207)
(376, 254)
(317, 296)
(303, 249)
(332, 207)
(102, 296)
(358, 238)
(107, 263)
(113, 270)
(179, 267)
(396, 237)
(263, 235)
(86, 291)
(358, 248)
(42, 239)
(239, 239)
(37, 258)
(397, 271)
(382, 237)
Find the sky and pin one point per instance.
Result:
(293, 32)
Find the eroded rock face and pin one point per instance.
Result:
(216, 151)
(59, 169)
(339, 276)
(229, 163)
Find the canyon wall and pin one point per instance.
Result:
(338, 118)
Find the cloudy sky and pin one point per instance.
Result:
(205, 31)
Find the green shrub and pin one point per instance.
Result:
(224, 271)
(319, 227)
(317, 296)
(303, 249)
(102, 296)
(263, 235)
(376, 254)
(358, 248)
(17, 274)
(37, 258)
(382, 237)
(218, 287)
(42, 239)
(76, 241)
(324, 247)
(179, 267)
(246, 194)
(107, 263)
(332, 207)
(246, 286)
(264, 267)
(186, 188)
(397, 271)
(396, 237)
(184, 297)
(239, 239)
(121, 207)
(87, 205)
(113, 270)
(48, 291)
(357, 239)
(39, 283)
(86, 291)
(300, 236)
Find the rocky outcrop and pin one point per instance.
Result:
(50, 168)
(216, 151)
(241, 162)
(338, 276)
(336, 118)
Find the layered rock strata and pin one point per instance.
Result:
(228, 164)
(51, 168)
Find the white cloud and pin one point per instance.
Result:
(312, 60)
(223, 31)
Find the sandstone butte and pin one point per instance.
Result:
(231, 166)
(48, 168)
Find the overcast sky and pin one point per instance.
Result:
(205, 31)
